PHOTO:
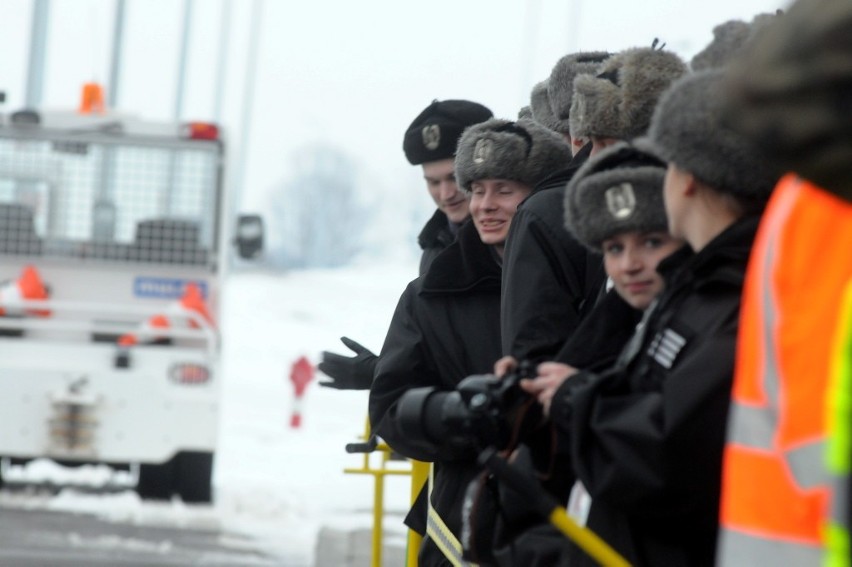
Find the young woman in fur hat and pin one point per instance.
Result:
(447, 323)
(646, 436)
(613, 207)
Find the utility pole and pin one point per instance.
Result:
(222, 67)
(574, 26)
(38, 48)
(236, 181)
(184, 54)
(115, 58)
(532, 13)
(248, 101)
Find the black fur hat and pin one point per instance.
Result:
(688, 130)
(522, 151)
(617, 190)
(619, 100)
(434, 134)
(560, 85)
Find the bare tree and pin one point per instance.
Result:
(316, 216)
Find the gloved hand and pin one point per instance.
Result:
(348, 372)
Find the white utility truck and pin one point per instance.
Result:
(113, 243)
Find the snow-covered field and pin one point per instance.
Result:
(273, 482)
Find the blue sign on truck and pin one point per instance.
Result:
(164, 288)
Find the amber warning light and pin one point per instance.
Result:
(201, 131)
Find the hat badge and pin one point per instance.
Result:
(620, 200)
(431, 136)
(482, 150)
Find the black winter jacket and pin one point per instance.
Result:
(601, 335)
(549, 279)
(436, 235)
(594, 346)
(446, 327)
(646, 437)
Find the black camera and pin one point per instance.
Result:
(481, 412)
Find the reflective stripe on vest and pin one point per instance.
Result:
(775, 485)
(840, 439)
(441, 535)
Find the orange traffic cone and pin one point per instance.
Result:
(174, 317)
(193, 300)
(28, 286)
(92, 99)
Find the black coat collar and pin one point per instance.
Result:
(721, 260)
(437, 232)
(467, 264)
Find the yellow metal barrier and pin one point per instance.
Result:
(419, 476)
(587, 540)
(419, 473)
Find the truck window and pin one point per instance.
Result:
(108, 197)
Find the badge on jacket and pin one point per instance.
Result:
(666, 346)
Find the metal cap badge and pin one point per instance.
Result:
(620, 200)
(431, 136)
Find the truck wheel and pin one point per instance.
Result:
(156, 481)
(194, 475)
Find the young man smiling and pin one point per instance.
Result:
(430, 141)
(447, 323)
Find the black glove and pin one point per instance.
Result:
(349, 372)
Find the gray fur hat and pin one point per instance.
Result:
(618, 190)
(730, 39)
(542, 111)
(560, 85)
(618, 102)
(688, 130)
(522, 151)
(790, 92)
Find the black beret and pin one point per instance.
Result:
(434, 134)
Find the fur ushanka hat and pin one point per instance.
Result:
(618, 190)
(434, 134)
(790, 92)
(730, 39)
(542, 111)
(619, 100)
(522, 151)
(560, 85)
(688, 130)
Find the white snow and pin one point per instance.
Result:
(274, 483)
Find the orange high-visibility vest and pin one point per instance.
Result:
(775, 487)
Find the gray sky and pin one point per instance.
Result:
(352, 73)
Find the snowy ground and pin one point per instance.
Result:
(273, 482)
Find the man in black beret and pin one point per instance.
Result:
(430, 141)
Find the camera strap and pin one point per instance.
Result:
(438, 531)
